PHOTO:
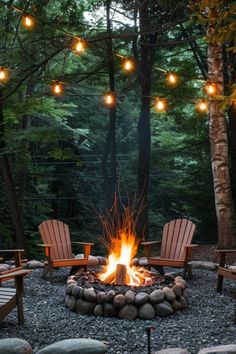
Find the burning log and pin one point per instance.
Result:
(121, 274)
(110, 278)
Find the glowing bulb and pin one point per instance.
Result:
(202, 106)
(109, 99)
(57, 88)
(79, 46)
(160, 105)
(172, 78)
(210, 89)
(27, 21)
(3, 74)
(128, 65)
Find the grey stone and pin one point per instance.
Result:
(119, 300)
(4, 267)
(76, 291)
(92, 261)
(203, 265)
(172, 351)
(183, 302)
(134, 262)
(141, 298)
(70, 302)
(90, 294)
(34, 264)
(179, 281)
(101, 297)
(163, 309)
(75, 346)
(102, 260)
(128, 312)
(109, 310)
(219, 349)
(99, 310)
(146, 312)
(177, 290)
(14, 346)
(85, 307)
(176, 305)
(143, 261)
(110, 296)
(169, 294)
(156, 296)
(129, 297)
(69, 288)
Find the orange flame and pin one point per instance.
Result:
(122, 244)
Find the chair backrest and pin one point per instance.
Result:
(57, 234)
(176, 234)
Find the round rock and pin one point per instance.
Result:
(70, 287)
(14, 346)
(146, 312)
(99, 310)
(101, 297)
(128, 312)
(109, 310)
(156, 296)
(183, 302)
(110, 296)
(34, 265)
(119, 300)
(163, 309)
(85, 307)
(129, 297)
(169, 294)
(72, 346)
(76, 291)
(70, 302)
(90, 294)
(141, 298)
(177, 290)
(176, 305)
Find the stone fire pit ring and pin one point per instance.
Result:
(126, 304)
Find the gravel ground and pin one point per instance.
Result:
(207, 321)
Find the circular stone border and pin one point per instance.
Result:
(128, 305)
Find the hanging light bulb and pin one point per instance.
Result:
(160, 105)
(3, 74)
(172, 78)
(27, 21)
(109, 99)
(210, 88)
(202, 106)
(57, 88)
(79, 46)
(128, 65)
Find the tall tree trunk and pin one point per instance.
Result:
(8, 181)
(144, 132)
(109, 174)
(219, 144)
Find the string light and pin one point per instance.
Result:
(27, 21)
(79, 46)
(128, 65)
(160, 105)
(3, 74)
(172, 78)
(109, 99)
(57, 88)
(202, 106)
(210, 88)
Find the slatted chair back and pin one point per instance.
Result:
(56, 233)
(176, 234)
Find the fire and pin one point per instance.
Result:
(122, 244)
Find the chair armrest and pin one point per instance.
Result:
(148, 247)
(17, 254)
(43, 245)
(86, 247)
(14, 274)
(222, 253)
(188, 249)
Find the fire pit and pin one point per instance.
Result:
(121, 288)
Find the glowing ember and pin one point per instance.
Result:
(122, 244)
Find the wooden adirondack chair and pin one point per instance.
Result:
(175, 246)
(57, 244)
(223, 270)
(12, 297)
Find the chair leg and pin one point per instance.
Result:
(47, 268)
(188, 271)
(220, 283)
(19, 299)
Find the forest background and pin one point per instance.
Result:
(63, 157)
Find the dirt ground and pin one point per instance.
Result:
(207, 253)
